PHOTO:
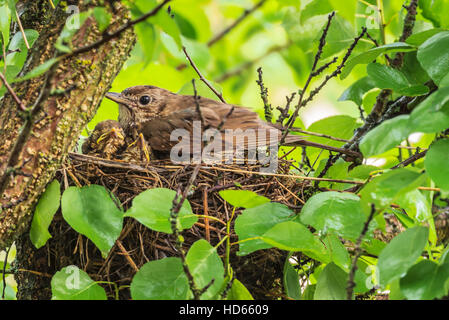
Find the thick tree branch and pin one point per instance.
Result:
(34, 146)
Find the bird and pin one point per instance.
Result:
(106, 140)
(155, 112)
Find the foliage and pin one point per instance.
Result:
(283, 36)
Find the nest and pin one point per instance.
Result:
(261, 272)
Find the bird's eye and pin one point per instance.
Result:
(144, 100)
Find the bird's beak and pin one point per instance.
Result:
(116, 97)
(116, 133)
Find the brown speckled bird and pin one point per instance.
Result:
(106, 140)
(156, 112)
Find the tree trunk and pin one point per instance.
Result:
(35, 143)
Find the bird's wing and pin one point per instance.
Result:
(242, 128)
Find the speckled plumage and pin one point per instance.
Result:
(105, 141)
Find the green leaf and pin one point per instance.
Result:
(374, 142)
(361, 277)
(331, 284)
(340, 126)
(147, 38)
(362, 172)
(386, 77)
(338, 171)
(17, 44)
(37, 71)
(162, 19)
(254, 222)
(357, 90)
(433, 55)
(401, 253)
(73, 24)
(205, 265)
(370, 55)
(152, 208)
(309, 292)
(369, 100)
(413, 91)
(293, 236)
(5, 22)
(417, 207)
(43, 214)
(436, 161)
(72, 283)
(186, 27)
(161, 280)
(315, 8)
(435, 11)
(432, 114)
(425, 280)
(103, 18)
(412, 69)
(243, 198)
(239, 292)
(91, 211)
(291, 281)
(382, 190)
(419, 38)
(334, 212)
(338, 253)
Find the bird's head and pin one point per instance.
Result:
(139, 103)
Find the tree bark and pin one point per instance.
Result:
(35, 143)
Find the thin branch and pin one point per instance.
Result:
(196, 98)
(246, 13)
(324, 67)
(337, 71)
(293, 117)
(264, 95)
(218, 94)
(318, 135)
(357, 254)
(19, 102)
(127, 256)
(109, 36)
(329, 163)
(284, 111)
(22, 31)
(410, 160)
(409, 23)
(374, 41)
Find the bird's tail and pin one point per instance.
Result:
(292, 140)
